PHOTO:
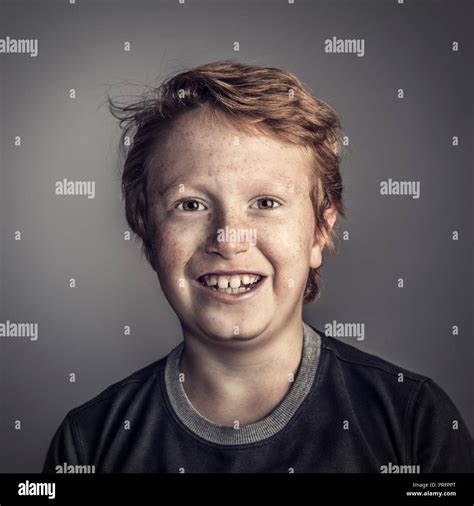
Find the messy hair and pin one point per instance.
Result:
(263, 99)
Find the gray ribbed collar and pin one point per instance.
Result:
(257, 431)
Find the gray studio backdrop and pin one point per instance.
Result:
(407, 46)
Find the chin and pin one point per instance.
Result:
(226, 332)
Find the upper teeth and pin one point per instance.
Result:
(234, 281)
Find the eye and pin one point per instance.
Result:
(193, 207)
(269, 203)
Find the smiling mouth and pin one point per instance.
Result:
(233, 285)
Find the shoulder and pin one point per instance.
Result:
(383, 395)
(124, 394)
(366, 382)
(87, 430)
(351, 359)
(371, 382)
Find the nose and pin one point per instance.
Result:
(225, 235)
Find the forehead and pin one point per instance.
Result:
(219, 151)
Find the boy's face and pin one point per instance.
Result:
(208, 212)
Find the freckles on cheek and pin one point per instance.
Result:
(168, 249)
(174, 246)
(293, 255)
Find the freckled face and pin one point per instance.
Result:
(207, 176)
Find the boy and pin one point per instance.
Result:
(252, 388)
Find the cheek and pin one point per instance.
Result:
(170, 249)
(286, 247)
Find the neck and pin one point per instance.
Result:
(244, 383)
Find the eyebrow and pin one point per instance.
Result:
(164, 190)
(271, 182)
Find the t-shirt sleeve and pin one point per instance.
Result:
(440, 440)
(63, 448)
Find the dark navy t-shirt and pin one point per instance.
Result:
(347, 411)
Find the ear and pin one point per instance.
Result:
(320, 239)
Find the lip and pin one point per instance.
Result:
(231, 273)
(229, 298)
